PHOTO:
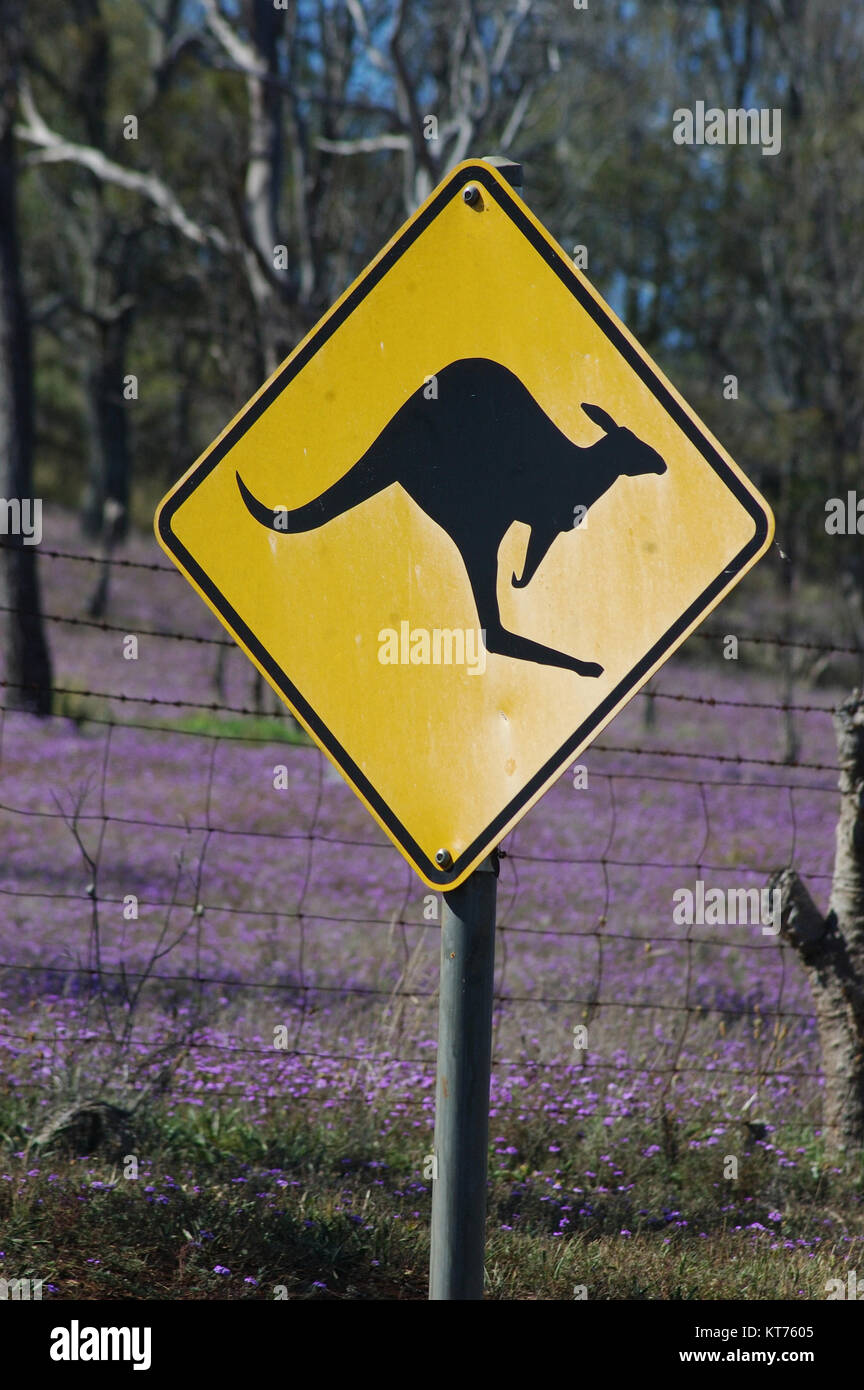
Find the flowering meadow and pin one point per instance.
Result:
(250, 973)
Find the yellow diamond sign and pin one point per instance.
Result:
(462, 524)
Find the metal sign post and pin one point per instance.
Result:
(462, 1089)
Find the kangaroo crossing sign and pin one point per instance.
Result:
(462, 524)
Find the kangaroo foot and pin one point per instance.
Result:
(503, 643)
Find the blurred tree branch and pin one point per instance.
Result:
(55, 149)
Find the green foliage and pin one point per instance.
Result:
(271, 730)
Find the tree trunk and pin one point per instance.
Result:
(26, 659)
(107, 495)
(106, 507)
(832, 947)
(649, 709)
(789, 586)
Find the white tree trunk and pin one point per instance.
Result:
(832, 947)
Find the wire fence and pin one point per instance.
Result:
(93, 912)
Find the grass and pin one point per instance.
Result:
(72, 702)
(269, 729)
(308, 1208)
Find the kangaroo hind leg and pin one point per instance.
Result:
(501, 642)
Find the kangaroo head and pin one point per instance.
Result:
(627, 453)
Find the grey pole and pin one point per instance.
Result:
(462, 1088)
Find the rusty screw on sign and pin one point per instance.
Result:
(507, 168)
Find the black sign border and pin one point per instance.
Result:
(475, 173)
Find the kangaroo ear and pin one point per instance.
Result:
(599, 416)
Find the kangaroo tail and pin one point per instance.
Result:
(359, 483)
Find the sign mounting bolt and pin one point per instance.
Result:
(443, 858)
(471, 194)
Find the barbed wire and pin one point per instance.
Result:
(111, 560)
(278, 1053)
(709, 635)
(782, 706)
(189, 826)
(287, 914)
(117, 561)
(102, 626)
(216, 707)
(231, 736)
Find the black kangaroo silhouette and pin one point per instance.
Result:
(477, 457)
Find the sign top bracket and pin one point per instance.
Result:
(507, 168)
